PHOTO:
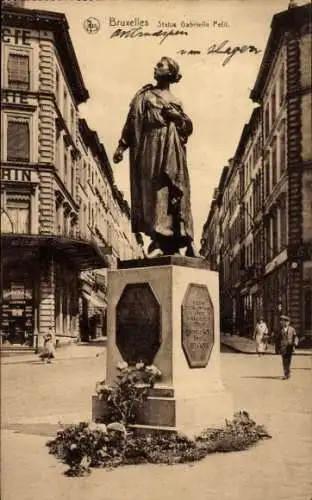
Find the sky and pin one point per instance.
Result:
(215, 95)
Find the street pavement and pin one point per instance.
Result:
(36, 392)
(37, 396)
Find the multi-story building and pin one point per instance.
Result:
(249, 297)
(53, 211)
(274, 164)
(211, 236)
(104, 218)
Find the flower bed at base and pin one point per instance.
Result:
(84, 446)
(112, 443)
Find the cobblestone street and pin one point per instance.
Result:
(36, 396)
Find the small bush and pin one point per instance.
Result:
(84, 446)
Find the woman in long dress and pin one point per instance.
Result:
(260, 336)
(156, 132)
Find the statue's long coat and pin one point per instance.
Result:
(160, 186)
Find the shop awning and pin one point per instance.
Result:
(83, 254)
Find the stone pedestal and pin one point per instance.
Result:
(165, 311)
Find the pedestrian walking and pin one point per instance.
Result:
(48, 352)
(261, 334)
(285, 342)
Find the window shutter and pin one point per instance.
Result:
(18, 140)
(18, 71)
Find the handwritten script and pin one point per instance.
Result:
(139, 33)
(223, 48)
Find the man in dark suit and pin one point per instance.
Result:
(286, 340)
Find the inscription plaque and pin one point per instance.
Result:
(197, 325)
(138, 324)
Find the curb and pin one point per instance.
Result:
(241, 351)
(38, 362)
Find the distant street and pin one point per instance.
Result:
(36, 396)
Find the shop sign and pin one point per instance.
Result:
(16, 36)
(17, 174)
(17, 294)
(13, 97)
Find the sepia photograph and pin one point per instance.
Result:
(156, 249)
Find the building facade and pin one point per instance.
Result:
(54, 234)
(104, 218)
(272, 164)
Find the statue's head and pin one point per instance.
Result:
(167, 69)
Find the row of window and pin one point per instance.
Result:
(257, 249)
(65, 222)
(256, 194)
(66, 107)
(65, 163)
(275, 238)
(19, 142)
(91, 175)
(276, 232)
(112, 224)
(274, 166)
(18, 69)
(275, 162)
(275, 102)
(17, 210)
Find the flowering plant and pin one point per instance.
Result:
(89, 445)
(126, 395)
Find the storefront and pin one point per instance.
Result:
(66, 320)
(18, 309)
(40, 287)
(93, 308)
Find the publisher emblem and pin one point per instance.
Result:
(92, 25)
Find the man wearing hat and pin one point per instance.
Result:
(286, 340)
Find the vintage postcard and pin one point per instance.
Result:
(156, 249)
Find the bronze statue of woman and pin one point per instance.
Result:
(156, 133)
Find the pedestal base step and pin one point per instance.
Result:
(155, 411)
